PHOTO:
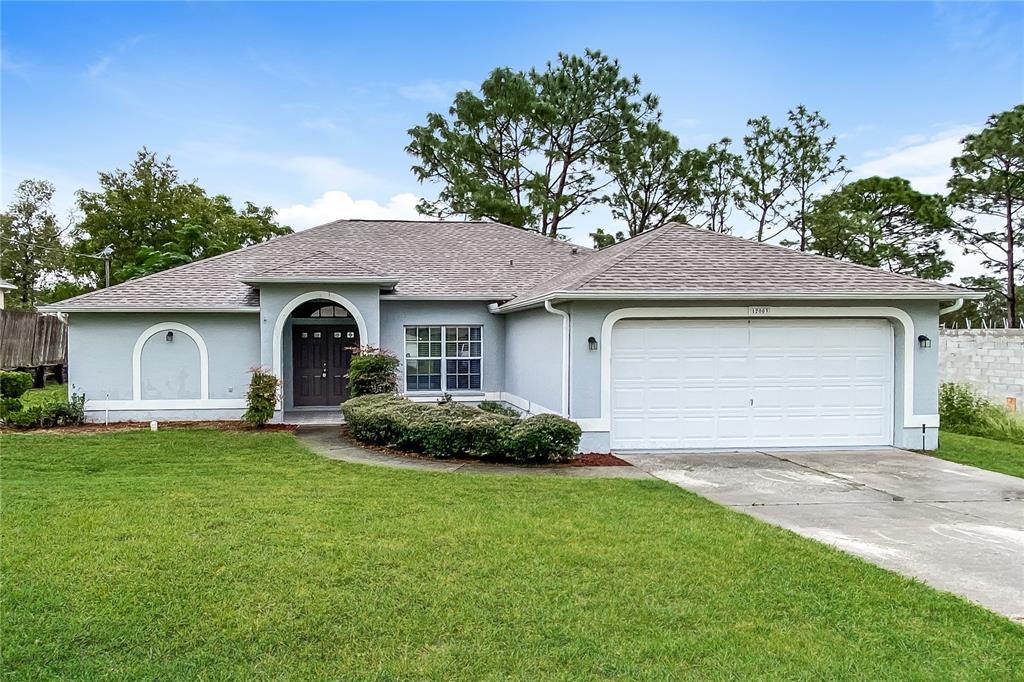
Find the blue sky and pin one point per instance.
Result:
(305, 106)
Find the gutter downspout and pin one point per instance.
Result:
(565, 354)
(953, 308)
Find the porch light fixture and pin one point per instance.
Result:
(592, 343)
(169, 337)
(924, 341)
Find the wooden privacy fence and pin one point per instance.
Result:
(33, 341)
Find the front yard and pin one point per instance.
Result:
(200, 553)
(985, 453)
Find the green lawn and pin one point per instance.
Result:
(38, 396)
(213, 555)
(995, 455)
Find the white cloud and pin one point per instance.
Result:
(922, 159)
(336, 205)
(318, 173)
(100, 66)
(9, 64)
(433, 91)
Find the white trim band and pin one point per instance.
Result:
(211, 404)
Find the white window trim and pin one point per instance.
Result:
(204, 361)
(910, 419)
(444, 368)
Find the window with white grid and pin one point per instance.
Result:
(448, 356)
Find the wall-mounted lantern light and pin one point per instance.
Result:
(924, 341)
(592, 343)
(169, 337)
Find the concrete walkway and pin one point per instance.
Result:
(327, 441)
(957, 528)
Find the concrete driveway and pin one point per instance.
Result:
(955, 527)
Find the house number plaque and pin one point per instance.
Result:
(759, 310)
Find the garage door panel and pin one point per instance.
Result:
(739, 383)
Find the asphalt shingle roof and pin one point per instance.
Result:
(440, 258)
(504, 263)
(681, 259)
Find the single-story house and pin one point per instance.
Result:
(677, 338)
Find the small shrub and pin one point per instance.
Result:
(28, 418)
(495, 407)
(373, 371)
(963, 410)
(542, 438)
(14, 384)
(9, 405)
(261, 398)
(458, 430)
(63, 412)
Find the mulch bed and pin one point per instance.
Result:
(585, 459)
(223, 425)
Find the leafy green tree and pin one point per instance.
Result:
(604, 239)
(528, 149)
(154, 220)
(811, 164)
(30, 246)
(988, 185)
(719, 186)
(884, 223)
(766, 176)
(655, 181)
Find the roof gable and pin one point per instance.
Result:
(685, 260)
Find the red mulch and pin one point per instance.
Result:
(223, 425)
(597, 459)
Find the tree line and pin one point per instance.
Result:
(536, 148)
(150, 218)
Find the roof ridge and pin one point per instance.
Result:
(615, 261)
(844, 263)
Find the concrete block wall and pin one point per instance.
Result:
(991, 360)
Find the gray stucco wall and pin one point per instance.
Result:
(100, 352)
(533, 361)
(170, 369)
(396, 315)
(588, 317)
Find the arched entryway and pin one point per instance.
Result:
(315, 337)
(324, 335)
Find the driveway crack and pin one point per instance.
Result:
(858, 484)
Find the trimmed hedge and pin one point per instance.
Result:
(12, 386)
(457, 430)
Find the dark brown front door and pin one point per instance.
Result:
(320, 359)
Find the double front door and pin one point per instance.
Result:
(320, 360)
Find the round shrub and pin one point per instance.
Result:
(542, 438)
(14, 384)
(372, 371)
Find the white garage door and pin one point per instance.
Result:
(751, 383)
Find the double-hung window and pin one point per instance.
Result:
(445, 358)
